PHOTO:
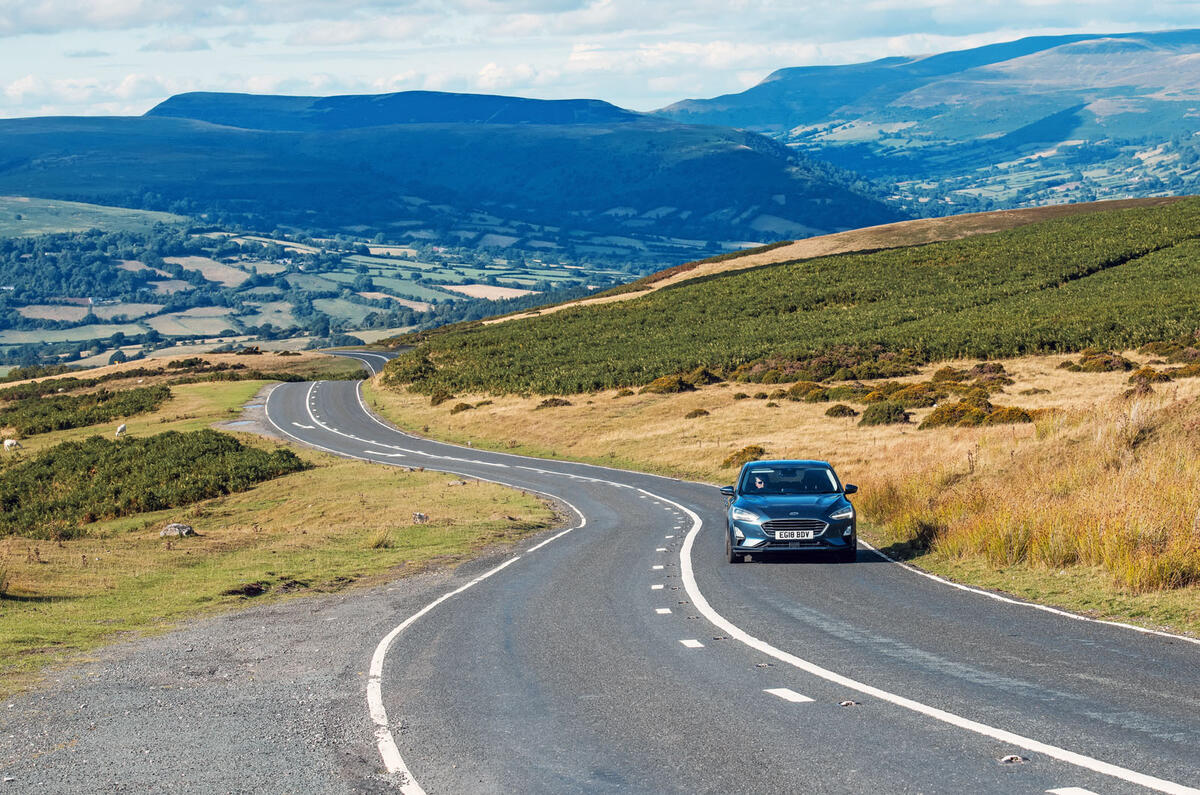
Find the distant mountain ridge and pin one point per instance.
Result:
(580, 176)
(1042, 119)
(310, 114)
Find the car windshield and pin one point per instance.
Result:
(789, 480)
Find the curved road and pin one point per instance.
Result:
(623, 654)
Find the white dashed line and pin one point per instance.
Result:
(662, 611)
(656, 587)
(657, 566)
(668, 536)
(661, 549)
(788, 694)
(692, 643)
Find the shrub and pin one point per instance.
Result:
(694, 413)
(777, 394)
(1093, 361)
(840, 410)
(668, 385)
(623, 393)
(885, 413)
(917, 396)
(702, 376)
(800, 389)
(1148, 375)
(460, 408)
(1035, 391)
(747, 454)
(855, 392)
(740, 396)
(771, 404)
(44, 414)
(1007, 415)
(955, 415)
(952, 374)
(552, 403)
(761, 395)
(483, 403)
(100, 478)
(439, 397)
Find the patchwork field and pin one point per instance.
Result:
(204, 321)
(212, 270)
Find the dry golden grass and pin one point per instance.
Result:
(895, 235)
(1082, 465)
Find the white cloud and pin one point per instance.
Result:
(182, 42)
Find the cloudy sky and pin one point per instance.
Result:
(123, 56)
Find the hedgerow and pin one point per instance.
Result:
(1111, 280)
(44, 414)
(100, 478)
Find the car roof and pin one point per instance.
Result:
(782, 462)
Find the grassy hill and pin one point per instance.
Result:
(22, 216)
(577, 176)
(1106, 279)
(1042, 119)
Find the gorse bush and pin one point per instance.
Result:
(73, 483)
(1111, 280)
(884, 413)
(44, 414)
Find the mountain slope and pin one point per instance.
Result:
(582, 176)
(1040, 119)
(1106, 279)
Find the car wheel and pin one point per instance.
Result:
(730, 554)
(848, 555)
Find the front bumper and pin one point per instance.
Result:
(750, 537)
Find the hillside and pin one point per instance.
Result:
(1107, 279)
(1044, 119)
(576, 177)
(901, 233)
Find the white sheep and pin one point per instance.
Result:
(12, 444)
(120, 430)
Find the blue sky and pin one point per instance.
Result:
(123, 56)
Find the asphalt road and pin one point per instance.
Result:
(618, 653)
(625, 655)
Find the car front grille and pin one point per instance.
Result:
(816, 525)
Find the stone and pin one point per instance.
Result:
(177, 530)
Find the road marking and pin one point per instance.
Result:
(656, 587)
(1011, 738)
(1018, 602)
(692, 643)
(656, 567)
(1070, 791)
(661, 549)
(668, 536)
(662, 611)
(386, 455)
(305, 427)
(788, 694)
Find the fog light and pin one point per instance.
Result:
(737, 533)
(754, 542)
(846, 533)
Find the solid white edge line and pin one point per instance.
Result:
(1009, 600)
(736, 633)
(733, 631)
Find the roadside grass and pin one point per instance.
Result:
(1062, 466)
(309, 532)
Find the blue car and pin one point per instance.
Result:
(787, 506)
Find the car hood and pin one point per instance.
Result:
(782, 506)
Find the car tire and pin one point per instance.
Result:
(730, 554)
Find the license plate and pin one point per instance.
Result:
(793, 535)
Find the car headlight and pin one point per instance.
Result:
(843, 513)
(742, 515)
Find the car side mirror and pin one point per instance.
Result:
(728, 491)
(850, 489)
